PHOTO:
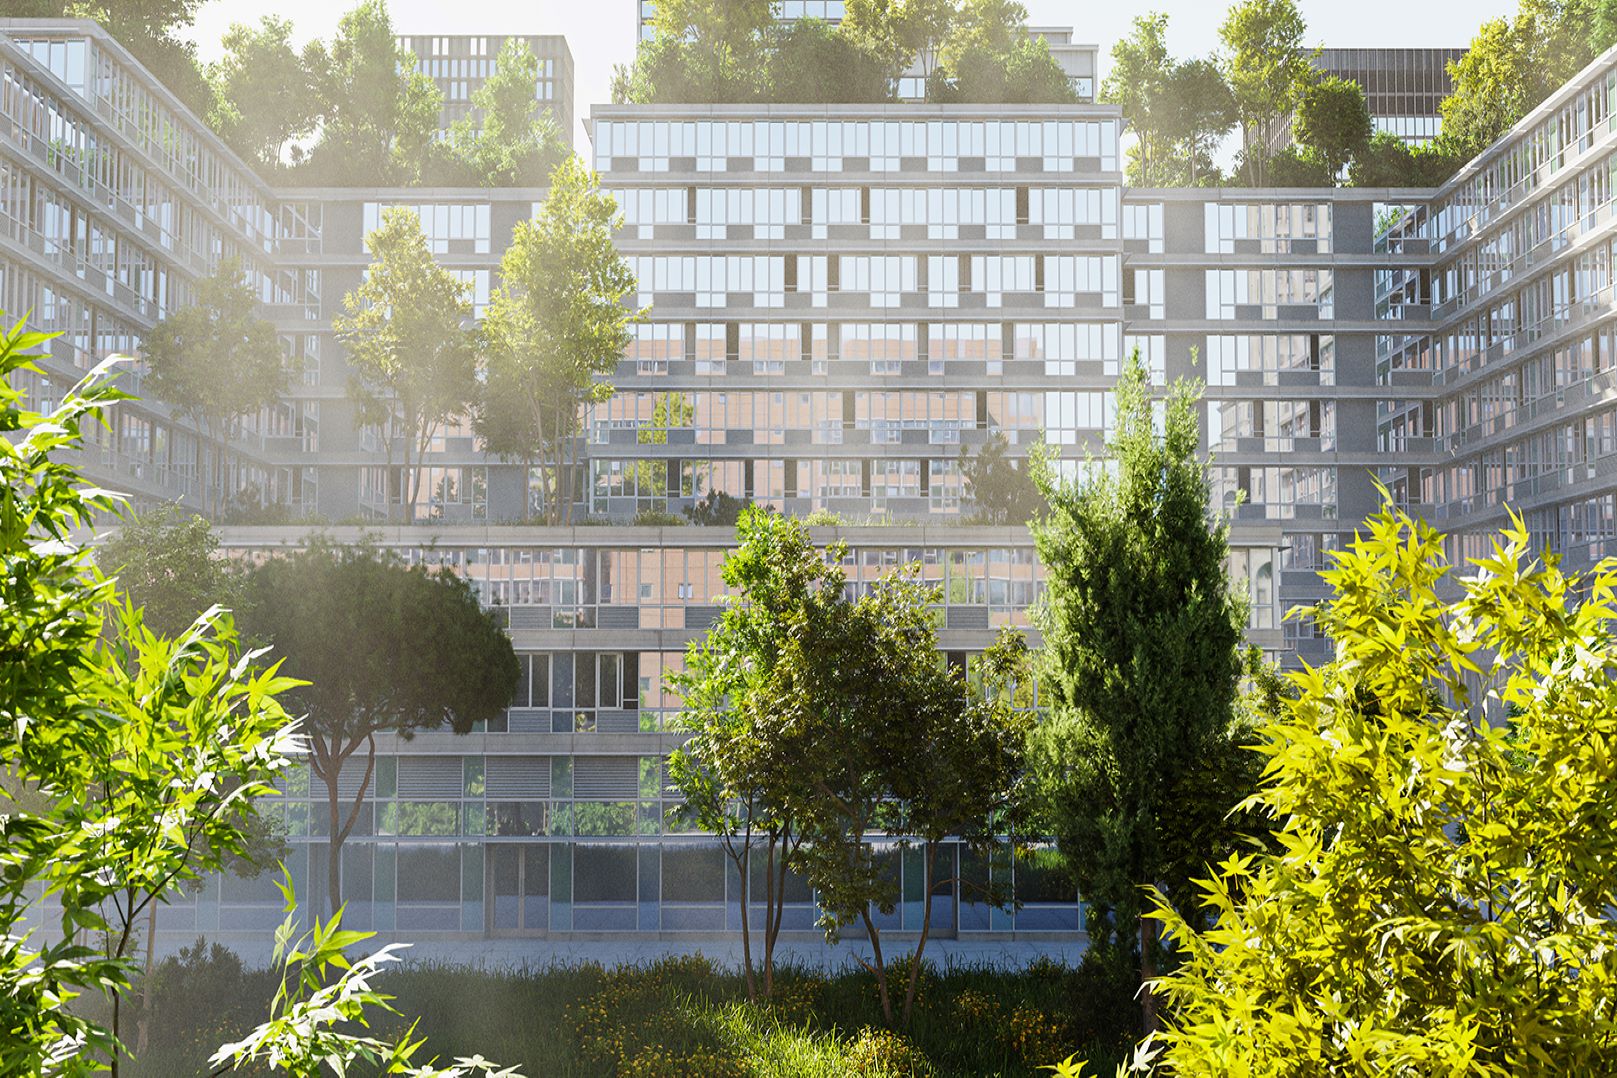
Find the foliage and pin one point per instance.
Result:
(263, 93)
(679, 1015)
(1140, 662)
(1332, 120)
(556, 327)
(167, 562)
(413, 363)
(811, 62)
(129, 758)
(1138, 83)
(517, 143)
(1200, 111)
(1388, 161)
(965, 50)
(216, 361)
(378, 114)
(1514, 63)
(388, 648)
(717, 510)
(1441, 898)
(312, 1019)
(1002, 490)
(739, 772)
(1298, 166)
(1266, 65)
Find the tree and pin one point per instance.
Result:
(263, 95)
(717, 47)
(216, 361)
(1298, 166)
(1140, 661)
(167, 563)
(718, 510)
(129, 759)
(739, 771)
(901, 32)
(1266, 65)
(556, 326)
(1333, 120)
(517, 143)
(390, 648)
(1138, 83)
(810, 61)
(413, 361)
(1389, 161)
(1440, 898)
(1002, 490)
(380, 114)
(1199, 111)
(889, 741)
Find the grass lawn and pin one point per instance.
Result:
(681, 1017)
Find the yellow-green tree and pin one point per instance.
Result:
(1441, 897)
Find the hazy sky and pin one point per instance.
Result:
(601, 33)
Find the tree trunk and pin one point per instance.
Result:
(877, 966)
(926, 930)
(744, 867)
(1148, 973)
(143, 1027)
(340, 827)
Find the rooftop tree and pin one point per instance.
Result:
(1267, 66)
(556, 326)
(1140, 663)
(216, 361)
(1138, 83)
(388, 648)
(263, 94)
(1200, 111)
(517, 143)
(1334, 121)
(379, 115)
(410, 350)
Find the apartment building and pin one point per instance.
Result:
(842, 300)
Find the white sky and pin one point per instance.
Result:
(602, 33)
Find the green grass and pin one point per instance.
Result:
(682, 1017)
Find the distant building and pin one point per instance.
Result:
(460, 63)
(1404, 88)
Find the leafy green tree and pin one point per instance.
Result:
(517, 143)
(887, 740)
(167, 562)
(1440, 899)
(380, 115)
(390, 648)
(556, 326)
(412, 357)
(901, 32)
(129, 759)
(216, 361)
(1002, 490)
(811, 62)
(1140, 660)
(739, 772)
(708, 50)
(1333, 120)
(1267, 65)
(1138, 83)
(1199, 110)
(263, 95)
(1298, 166)
(1389, 161)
